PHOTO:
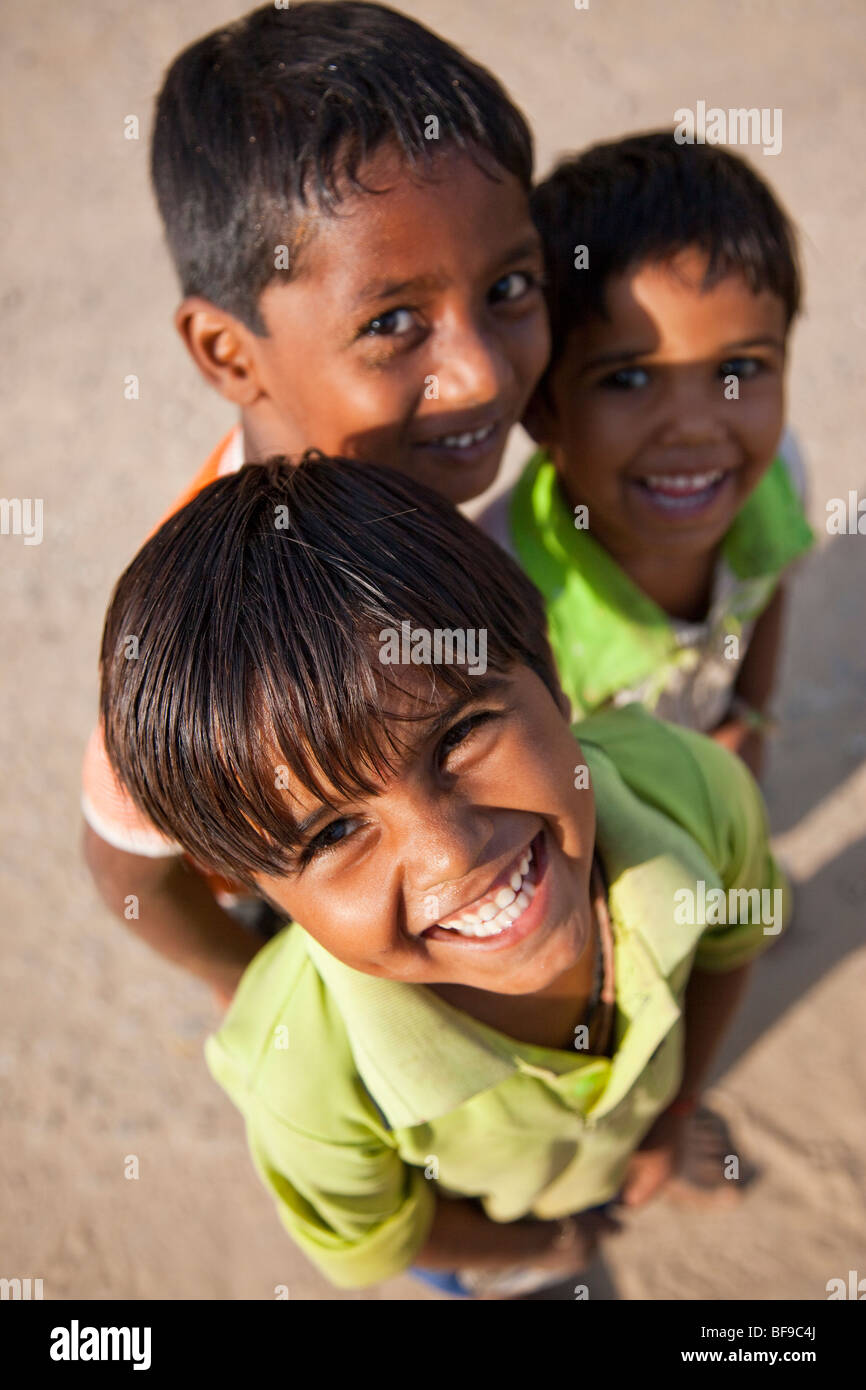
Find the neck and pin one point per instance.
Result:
(681, 586)
(265, 436)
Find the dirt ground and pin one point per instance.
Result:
(101, 1052)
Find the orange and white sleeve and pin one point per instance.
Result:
(107, 806)
(110, 811)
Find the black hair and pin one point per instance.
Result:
(644, 198)
(278, 111)
(259, 611)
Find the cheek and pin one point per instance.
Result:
(356, 926)
(361, 415)
(530, 350)
(597, 441)
(762, 419)
(537, 769)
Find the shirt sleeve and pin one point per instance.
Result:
(711, 794)
(110, 811)
(356, 1210)
(738, 842)
(106, 805)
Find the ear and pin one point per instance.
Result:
(539, 419)
(222, 349)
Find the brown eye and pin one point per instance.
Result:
(743, 367)
(458, 733)
(627, 379)
(511, 286)
(390, 325)
(328, 838)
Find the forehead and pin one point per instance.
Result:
(444, 221)
(416, 707)
(663, 307)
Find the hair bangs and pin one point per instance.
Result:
(267, 613)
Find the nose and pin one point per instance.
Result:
(470, 365)
(693, 410)
(439, 842)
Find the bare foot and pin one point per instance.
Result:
(711, 1172)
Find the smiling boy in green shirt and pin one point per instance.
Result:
(492, 1019)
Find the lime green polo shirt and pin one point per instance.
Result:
(362, 1096)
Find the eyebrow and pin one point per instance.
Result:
(387, 289)
(487, 685)
(766, 341)
(604, 359)
(433, 724)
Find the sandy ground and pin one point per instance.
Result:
(101, 1042)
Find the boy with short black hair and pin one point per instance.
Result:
(345, 196)
(493, 1020)
(300, 158)
(658, 519)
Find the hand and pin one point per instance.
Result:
(652, 1166)
(743, 739)
(589, 1229)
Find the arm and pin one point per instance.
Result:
(711, 1001)
(177, 915)
(350, 1202)
(755, 685)
(461, 1235)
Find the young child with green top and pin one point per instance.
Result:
(661, 515)
(500, 992)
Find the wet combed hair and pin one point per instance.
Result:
(277, 113)
(258, 644)
(644, 198)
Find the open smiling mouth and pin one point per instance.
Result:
(466, 442)
(502, 907)
(682, 493)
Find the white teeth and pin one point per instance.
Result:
(500, 910)
(463, 441)
(683, 482)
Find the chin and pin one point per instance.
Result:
(467, 491)
(539, 975)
